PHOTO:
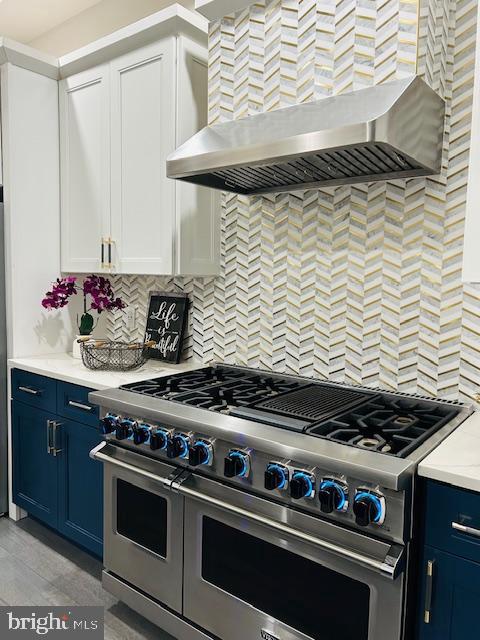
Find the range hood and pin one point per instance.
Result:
(392, 130)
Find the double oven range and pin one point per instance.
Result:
(245, 504)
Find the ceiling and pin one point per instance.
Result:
(26, 20)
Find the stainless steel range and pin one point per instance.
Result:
(245, 504)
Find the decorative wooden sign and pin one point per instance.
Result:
(166, 323)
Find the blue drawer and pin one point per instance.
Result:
(72, 403)
(34, 390)
(447, 505)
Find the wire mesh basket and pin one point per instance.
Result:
(108, 355)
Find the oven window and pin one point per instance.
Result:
(142, 517)
(300, 593)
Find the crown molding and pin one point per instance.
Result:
(173, 20)
(214, 9)
(24, 56)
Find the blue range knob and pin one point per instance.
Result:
(369, 508)
(141, 433)
(302, 485)
(276, 477)
(109, 423)
(201, 452)
(177, 446)
(158, 439)
(124, 429)
(237, 463)
(332, 496)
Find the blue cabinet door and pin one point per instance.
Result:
(80, 486)
(34, 468)
(455, 597)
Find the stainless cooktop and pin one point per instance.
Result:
(368, 419)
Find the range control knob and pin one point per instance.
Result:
(369, 508)
(276, 477)
(332, 496)
(124, 429)
(109, 423)
(177, 446)
(141, 433)
(302, 485)
(158, 439)
(237, 463)
(201, 452)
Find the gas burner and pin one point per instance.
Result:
(404, 421)
(370, 443)
(171, 386)
(219, 399)
(386, 424)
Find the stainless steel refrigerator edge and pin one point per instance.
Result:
(3, 372)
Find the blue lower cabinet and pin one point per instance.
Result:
(34, 468)
(450, 597)
(54, 479)
(80, 486)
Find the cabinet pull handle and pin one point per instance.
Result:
(33, 392)
(470, 531)
(109, 252)
(55, 426)
(427, 614)
(79, 405)
(49, 436)
(102, 253)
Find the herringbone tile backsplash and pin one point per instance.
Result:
(358, 283)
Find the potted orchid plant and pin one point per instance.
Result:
(97, 296)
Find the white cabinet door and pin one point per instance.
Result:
(198, 208)
(142, 136)
(84, 169)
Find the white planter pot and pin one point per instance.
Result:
(76, 353)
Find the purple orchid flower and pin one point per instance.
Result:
(98, 288)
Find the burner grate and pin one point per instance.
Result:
(314, 402)
(171, 386)
(395, 426)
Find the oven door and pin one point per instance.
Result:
(254, 569)
(143, 523)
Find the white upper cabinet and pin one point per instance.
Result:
(85, 169)
(143, 134)
(198, 235)
(118, 123)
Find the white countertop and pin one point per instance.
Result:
(62, 366)
(456, 460)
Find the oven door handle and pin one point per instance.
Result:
(390, 566)
(96, 454)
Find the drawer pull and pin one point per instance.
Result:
(32, 392)
(427, 614)
(55, 426)
(49, 436)
(79, 405)
(470, 531)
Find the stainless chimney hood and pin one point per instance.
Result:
(392, 130)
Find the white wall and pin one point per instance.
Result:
(29, 104)
(98, 21)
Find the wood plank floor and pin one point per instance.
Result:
(38, 567)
